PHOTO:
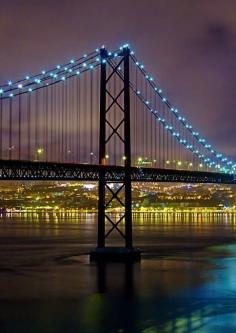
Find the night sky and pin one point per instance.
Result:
(189, 46)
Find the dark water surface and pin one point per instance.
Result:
(185, 282)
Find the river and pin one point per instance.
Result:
(185, 281)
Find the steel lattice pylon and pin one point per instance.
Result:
(105, 108)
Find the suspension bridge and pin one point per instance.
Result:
(102, 117)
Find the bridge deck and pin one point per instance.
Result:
(24, 170)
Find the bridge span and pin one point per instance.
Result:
(27, 170)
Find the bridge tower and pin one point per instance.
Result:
(108, 99)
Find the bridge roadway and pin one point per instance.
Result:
(25, 170)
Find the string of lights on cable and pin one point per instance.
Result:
(90, 61)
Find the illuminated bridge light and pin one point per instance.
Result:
(172, 122)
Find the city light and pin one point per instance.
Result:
(156, 194)
(40, 151)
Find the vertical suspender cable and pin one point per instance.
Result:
(91, 117)
(1, 136)
(28, 125)
(46, 125)
(19, 130)
(163, 137)
(52, 122)
(146, 121)
(151, 129)
(36, 124)
(155, 131)
(66, 122)
(70, 152)
(10, 130)
(167, 135)
(44, 122)
(63, 123)
(55, 109)
(135, 117)
(85, 142)
(143, 125)
(77, 120)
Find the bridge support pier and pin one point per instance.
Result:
(115, 254)
(102, 252)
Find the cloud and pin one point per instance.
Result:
(189, 46)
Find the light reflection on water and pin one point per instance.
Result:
(184, 283)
